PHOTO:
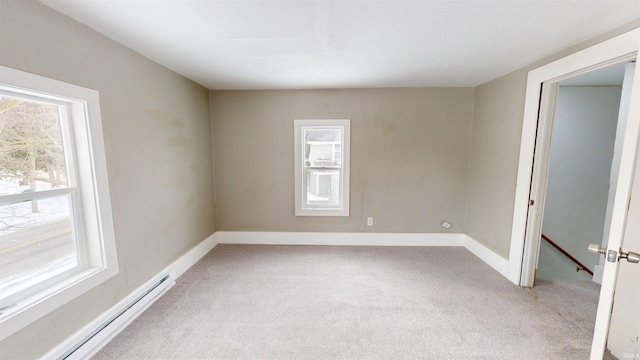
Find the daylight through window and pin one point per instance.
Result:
(322, 167)
(37, 228)
(56, 228)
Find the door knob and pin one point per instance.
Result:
(630, 256)
(611, 255)
(596, 249)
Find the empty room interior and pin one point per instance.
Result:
(319, 179)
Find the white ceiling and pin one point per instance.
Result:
(267, 44)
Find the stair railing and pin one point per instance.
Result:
(581, 266)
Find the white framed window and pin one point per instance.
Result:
(56, 229)
(322, 149)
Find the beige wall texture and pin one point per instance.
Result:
(158, 149)
(415, 160)
(409, 158)
(495, 148)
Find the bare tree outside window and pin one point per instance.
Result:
(56, 229)
(31, 150)
(36, 231)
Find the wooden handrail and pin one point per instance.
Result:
(565, 253)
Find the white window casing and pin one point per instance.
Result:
(322, 158)
(87, 191)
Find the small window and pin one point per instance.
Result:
(322, 167)
(56, 232)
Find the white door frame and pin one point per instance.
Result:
(523, 254)
(526, 224)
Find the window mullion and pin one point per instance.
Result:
(34, 195)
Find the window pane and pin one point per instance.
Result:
(322, 147)
(322, 167)
(323, 188)
(31, 148)
(37, 242)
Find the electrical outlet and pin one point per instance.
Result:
(445, 224)
(370, 221)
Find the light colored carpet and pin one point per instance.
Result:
(575, 301)
(323, 302)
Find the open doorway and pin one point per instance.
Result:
(541, 92)
(587, 120)
(584, 160)
(587, 130)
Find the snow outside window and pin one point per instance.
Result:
(56, 231)
(322, 167)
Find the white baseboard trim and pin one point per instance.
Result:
(347, 239)
(100, 339)
(497, 262)
(186, 261)
(485, 254)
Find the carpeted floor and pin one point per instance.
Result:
(329, 302)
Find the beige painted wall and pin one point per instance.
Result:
(495, 147)
(409, 158)
(158, 148)
(412, 153)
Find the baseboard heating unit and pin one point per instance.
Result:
(90, 344)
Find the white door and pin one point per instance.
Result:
(624, 331)
(623, 237)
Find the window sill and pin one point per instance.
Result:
(321, 212)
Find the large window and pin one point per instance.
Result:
(322, 167)
(56, 231)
